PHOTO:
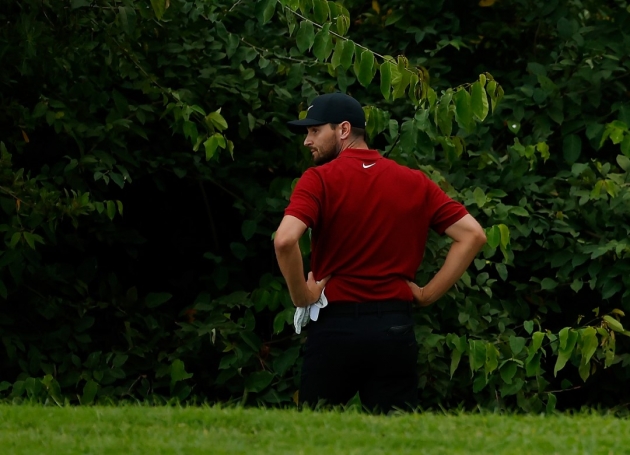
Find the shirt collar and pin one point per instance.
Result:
(364, 154)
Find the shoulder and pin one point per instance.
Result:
(405, 171)
(310, 178)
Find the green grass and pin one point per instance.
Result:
(212, 430)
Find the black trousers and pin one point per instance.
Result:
(368, 348)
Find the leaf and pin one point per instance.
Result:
(532, 365)
(127, 19)
(498, 96)
(79, 3)
(366, 66)
(415, 89)
(335, 61)
(614, 324)
(178, 372)
(248, 229)
(501, 270)
(386, 79)
(265, 10)
(30, 239)
(212, 143)
(589, 343)
(252, 340)
(551, 403)
(479, 101)
(216, 119)
(507, 371)
(577, 285)
(117, 179)
(258, 381)
(463, 110)
(404, 77)
(239, 250)
(347, 54)
(492, 358)
(89, 392)
(321, 11)
(111, 209)
(159, 7)
(505, 235)
(517, 344)
(480, 197)
(343, 23)
(305, 36)
(571, 148)
(155, 299)
(563, 337)
(624, 162)
(537, 339)
(443, 113)
(456, 356)
(476, 354)
(286, 360)
(281, 319)
(322, 46)
(568, 338)
(565, 28)
(493, 236)
(528, 326)
(394, 16)
(548, 284)
(40, 109)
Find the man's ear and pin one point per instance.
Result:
(345, 129)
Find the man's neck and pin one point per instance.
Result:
(357, 144)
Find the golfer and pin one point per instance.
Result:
(370, 218)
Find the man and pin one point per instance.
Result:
(370, 218)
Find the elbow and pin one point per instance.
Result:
(282, 243)
(480, 238)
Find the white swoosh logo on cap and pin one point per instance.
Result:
(367, 166)
(309, 108)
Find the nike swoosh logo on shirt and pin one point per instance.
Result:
(365, 166)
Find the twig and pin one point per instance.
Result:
(261, 50)
(234, 195)
(346, 39)
(235, 5)
(565, 390)
(142, 376)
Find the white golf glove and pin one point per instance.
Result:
(308, 313)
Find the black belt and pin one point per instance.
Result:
(360, 308)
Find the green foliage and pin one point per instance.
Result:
(177, 112)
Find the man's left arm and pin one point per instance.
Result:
(468, 238)
(303, 293)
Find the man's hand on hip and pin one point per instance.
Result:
(418, 294)
(314, 290)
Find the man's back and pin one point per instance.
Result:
(370, 219)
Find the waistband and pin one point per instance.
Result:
(361, 308)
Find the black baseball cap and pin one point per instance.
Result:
(331, 108)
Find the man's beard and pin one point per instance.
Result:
(331, 152)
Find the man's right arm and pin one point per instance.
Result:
(468, 239)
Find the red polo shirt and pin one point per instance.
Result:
(370, 218)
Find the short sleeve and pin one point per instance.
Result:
(444, 210)
(306, 201)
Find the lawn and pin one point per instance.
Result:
(214, 430)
